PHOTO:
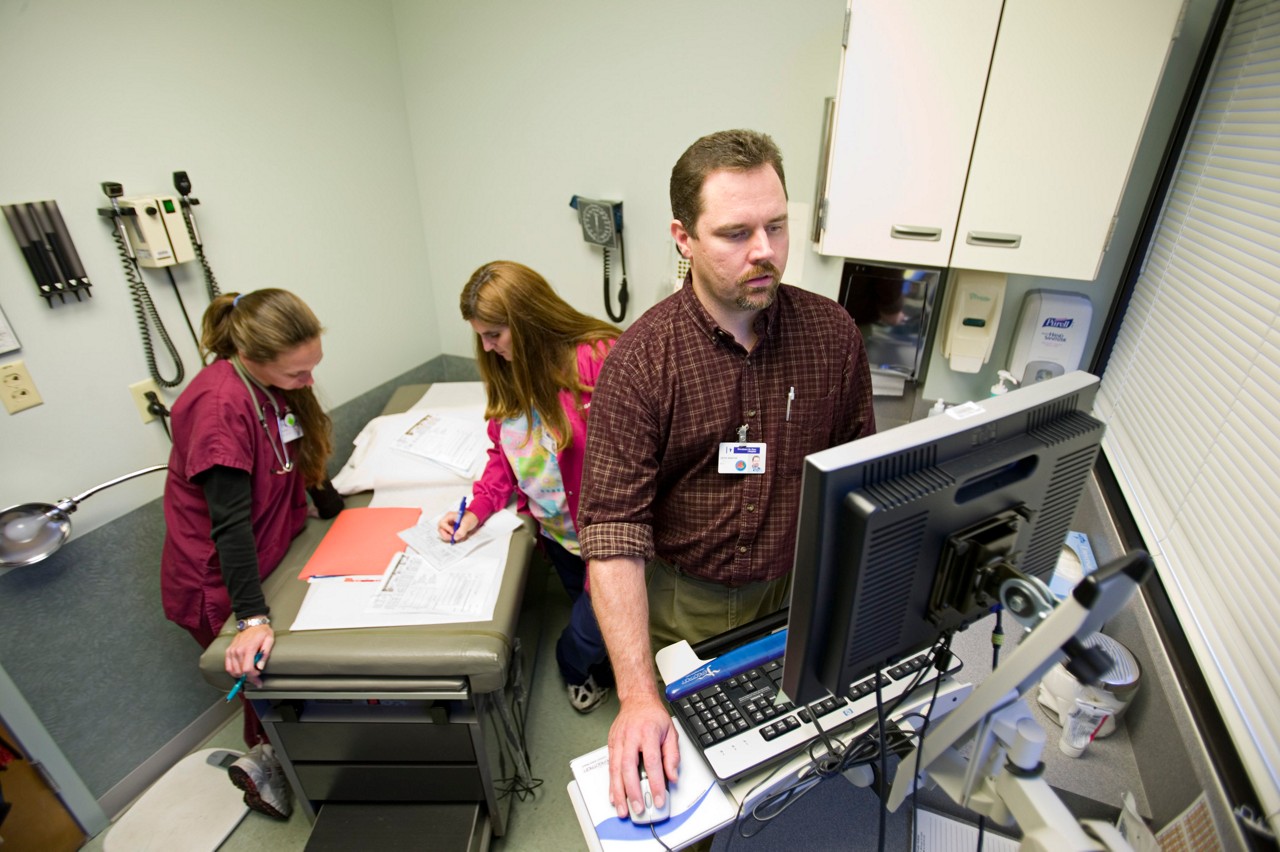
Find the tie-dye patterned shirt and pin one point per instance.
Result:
(538, 475)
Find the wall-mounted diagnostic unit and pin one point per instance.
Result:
(601, 223)
(158, 230)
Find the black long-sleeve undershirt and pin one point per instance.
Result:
(229, 493)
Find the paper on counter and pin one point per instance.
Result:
(413, 585)
(459, 399)
(426, 542)
(336, 603)
(374, 463)
(430, 498)
(938, 833)
(447, 441)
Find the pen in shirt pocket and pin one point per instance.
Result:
(791, 396)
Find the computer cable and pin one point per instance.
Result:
(654, 832)
(513, 739)
(943, 659)
(884, 763)
(156, 408)
(836, 758)
(997, 637)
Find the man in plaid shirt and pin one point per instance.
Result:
(686, 532)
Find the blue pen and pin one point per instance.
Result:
(257, 658)
(457, 522)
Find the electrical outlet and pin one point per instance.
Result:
(140, 391)
(16, 388)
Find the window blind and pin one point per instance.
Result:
(1191, 393)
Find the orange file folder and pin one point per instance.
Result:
(361, 541)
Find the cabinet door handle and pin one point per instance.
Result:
(914, 232)
(993, 240)
(824, 170)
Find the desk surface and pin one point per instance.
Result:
(383, 658)
(1091, 786)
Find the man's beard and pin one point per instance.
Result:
(759, 301)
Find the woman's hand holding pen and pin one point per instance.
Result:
(244, 650)
(465, 529)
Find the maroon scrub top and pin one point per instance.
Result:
(215, 422)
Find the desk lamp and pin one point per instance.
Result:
(30, 532)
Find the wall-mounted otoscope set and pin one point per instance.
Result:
(158, 232)
(46, 245)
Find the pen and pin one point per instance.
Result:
(257, 658)
(791, 395)
(457, 522)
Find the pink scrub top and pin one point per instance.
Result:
(215, 422)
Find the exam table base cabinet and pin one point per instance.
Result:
(417, 750)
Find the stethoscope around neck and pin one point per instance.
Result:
(281, 452)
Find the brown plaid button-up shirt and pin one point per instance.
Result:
(674, 387)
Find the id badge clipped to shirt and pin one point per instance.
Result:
(290, 428)
(741, 458)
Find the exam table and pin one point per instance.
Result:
(395, 732)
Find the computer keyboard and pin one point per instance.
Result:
(742, 722)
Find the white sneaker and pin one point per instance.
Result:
(586, 697)
(261, 776)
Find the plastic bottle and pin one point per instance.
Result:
(938, 408)
(999, 389)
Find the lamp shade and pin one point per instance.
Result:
(30, 532)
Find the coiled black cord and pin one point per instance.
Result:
(210, 283)
(623, 298)
(145, 310)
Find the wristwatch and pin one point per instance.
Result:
(252, 622)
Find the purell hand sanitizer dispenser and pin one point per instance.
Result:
(1051, 335)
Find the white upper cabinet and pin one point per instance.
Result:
(989, 135)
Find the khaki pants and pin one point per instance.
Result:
(682, 607)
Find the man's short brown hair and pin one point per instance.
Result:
(736, 150)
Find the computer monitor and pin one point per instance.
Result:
(907, 534)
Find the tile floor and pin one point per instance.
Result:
(556, 733)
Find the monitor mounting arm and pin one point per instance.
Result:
(1003, 776)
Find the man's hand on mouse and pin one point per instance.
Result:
(643, 731)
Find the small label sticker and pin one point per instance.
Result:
(964, 410)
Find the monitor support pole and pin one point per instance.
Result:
(1003, 776)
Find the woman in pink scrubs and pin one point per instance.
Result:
(249, 441)
(539, 358)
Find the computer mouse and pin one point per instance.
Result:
(650, 814)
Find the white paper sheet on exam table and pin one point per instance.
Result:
(443, 439)
(375, 462)
(335, 603)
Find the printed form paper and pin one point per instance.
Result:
(452, 444)
(465, 592)
(412, 584)
(938, 833)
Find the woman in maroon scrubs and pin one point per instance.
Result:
(249, 441)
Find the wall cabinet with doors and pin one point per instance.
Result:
(989, 134)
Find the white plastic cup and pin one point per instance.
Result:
(1080, 726)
